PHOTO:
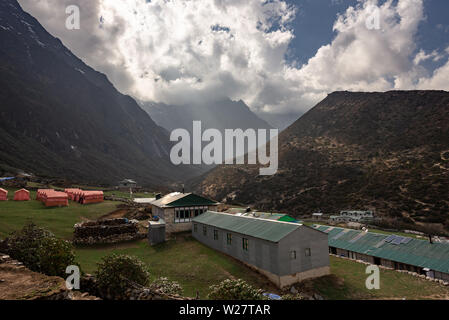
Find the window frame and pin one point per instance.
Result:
(293, 255)
(308, 252)
(229, 239)
(245, 244)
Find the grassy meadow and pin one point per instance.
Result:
(15, 214)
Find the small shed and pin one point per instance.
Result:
(3, 194)
(156, 232)
(22, 195)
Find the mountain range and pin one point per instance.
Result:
(383, 151)
(221, 115)
(61, 118)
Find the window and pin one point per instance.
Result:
(308, 252)
(215, 234)
(245, 244)
(293, 255)
(229, 238)
(205, 230)
(185, 215)
(195, 228)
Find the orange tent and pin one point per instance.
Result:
(91, 197)
(3, 194)
(22, 195)
(72, 193)
(56, 199)
(41, 193)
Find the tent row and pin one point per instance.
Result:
(52, 198)
(85, 197)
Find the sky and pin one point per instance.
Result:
(278, 56)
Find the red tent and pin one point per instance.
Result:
(3, 194)
(22, 195)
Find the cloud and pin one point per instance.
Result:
(198, 51)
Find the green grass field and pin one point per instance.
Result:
(15, 214)
(349, 283)
(193, 265)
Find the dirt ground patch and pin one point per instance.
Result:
(19, 283)
(119, 213)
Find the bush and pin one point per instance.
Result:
(166, 286)
(235, 290)
(117, 273)
(40, 251)
(55, 256)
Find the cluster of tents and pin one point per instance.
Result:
(85, 197)
(52, 198)
(19, 195)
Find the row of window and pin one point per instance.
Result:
(245, 242)
(183, 215)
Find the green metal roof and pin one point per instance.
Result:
(415, 252)
(269, 230)
(287, 218)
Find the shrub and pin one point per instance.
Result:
(117, 273)
(166, 286)
(55, 255)
(235, 290)
(40, 251)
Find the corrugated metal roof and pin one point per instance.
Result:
(270, 230)
(411, 251)
(177, 199)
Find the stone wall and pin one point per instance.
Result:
(106, 231)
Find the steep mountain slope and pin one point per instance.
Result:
(389, 151)
(221, 115)
(59, 117)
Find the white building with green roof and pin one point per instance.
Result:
(285, 252)
(178, 209)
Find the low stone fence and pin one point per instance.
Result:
(106, 231)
